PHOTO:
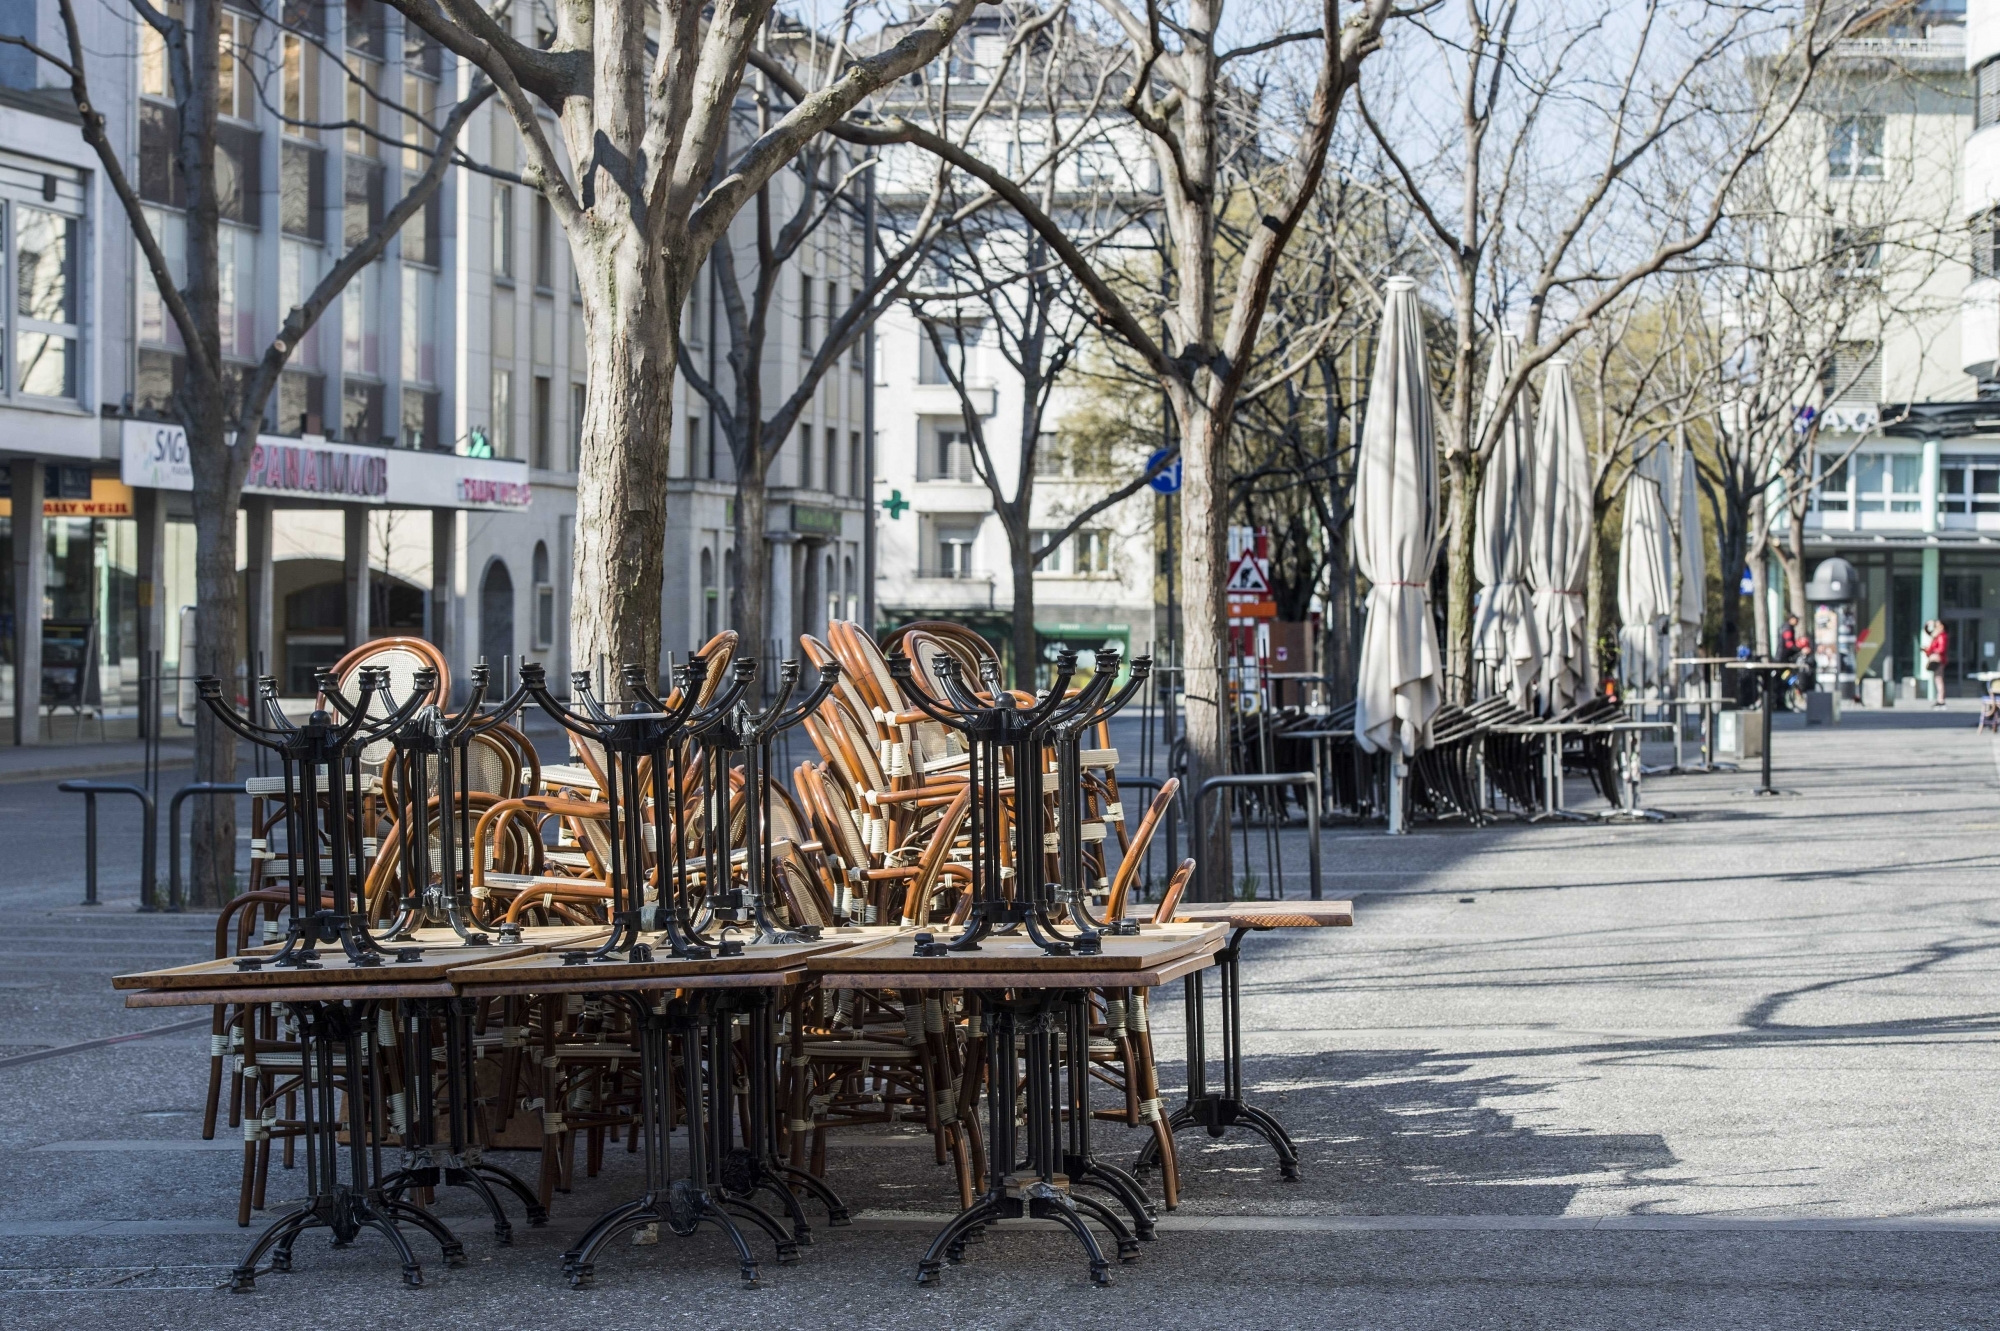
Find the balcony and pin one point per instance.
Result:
(1979, 328)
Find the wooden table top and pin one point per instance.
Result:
(293, 992)
(536, 973)
(1270, 914)
(1012, 961)
(334, 968)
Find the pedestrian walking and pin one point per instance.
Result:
(1792, 640)
(1937, 645)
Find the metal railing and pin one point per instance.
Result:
(1308, 781)
(90, 790)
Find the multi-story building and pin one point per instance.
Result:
(1912, 438)
(418, 461)
(942, 553)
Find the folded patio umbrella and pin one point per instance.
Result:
(1396, 537)
(1645, 576)
(1691, 549)
(1505, 639)
(1559, 540)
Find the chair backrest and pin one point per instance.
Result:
(403, 658)
(1135, 853)
(1170, 900)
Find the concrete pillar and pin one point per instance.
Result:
(149, 512)
(355, 557)
(30, 581)
(1927, 486)
(783, 547)
(1928, 610)
(259, 596)
(444, 539)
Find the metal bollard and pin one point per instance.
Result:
(176, 899)
(90, 790)
(1306, 779)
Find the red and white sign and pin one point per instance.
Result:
(155, 456)
(1249, 582)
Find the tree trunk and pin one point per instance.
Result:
(219, 652)
(1027, 654)
(1462, 470)
(1795, 564)
(628, 316)
(1205, 633)
(1342, 621)
(751, 595)
(1732, 570)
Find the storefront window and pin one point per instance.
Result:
(1888, 482)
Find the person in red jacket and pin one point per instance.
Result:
(1937, 646)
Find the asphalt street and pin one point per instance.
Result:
(1733, 1069)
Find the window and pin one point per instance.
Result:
(362, 212)
(503, 232)
(239, 173)
(958, 338)
(805, 314)
(692, 443)
(1832, 495)
(420, 418)
(159, 180)
(541, 437)
(950, 553)
(422, 235)
(830, 471)
(501, 428)
(154, 79)
(711, 602)
(302, 191)
(45, 303)
(1969, 484)
(236, 86)
(420, 340)
(1986, 81)
(545, 253)
(361, 324)
(299, 398)
(1091, 553)
(949, 457)
(299, 93)
(298, 274)
(161, 375)
(366, 30)
(1986, 245)
(857, 484)
(1854, 148)
(805, 457)
(832, 307)
(1097, 164)
(1853, 374)
(1857, 251)
(363, 107)
(1051, 562)
(1887, 482)
(545, 598)
(360, 412)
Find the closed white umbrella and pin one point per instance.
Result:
(1504, 636)
(1645, 577)
(1690, 547)
(1559, 544)
(1396, 540)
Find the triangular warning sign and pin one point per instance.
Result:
(1247, 575)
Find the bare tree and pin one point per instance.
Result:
(644, 96)
(1215, 154)
(1582, 152)
(221, 407)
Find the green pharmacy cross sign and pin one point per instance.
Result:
(895, 505)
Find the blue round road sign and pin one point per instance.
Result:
(1169, 480)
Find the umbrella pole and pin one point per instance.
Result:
(1398, 774)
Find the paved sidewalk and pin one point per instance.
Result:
(64, 762)
(1737, 1069)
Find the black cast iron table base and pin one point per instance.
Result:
(1044, 1192)
(354, 1204)
(1205, 1108)
(683, 1205)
